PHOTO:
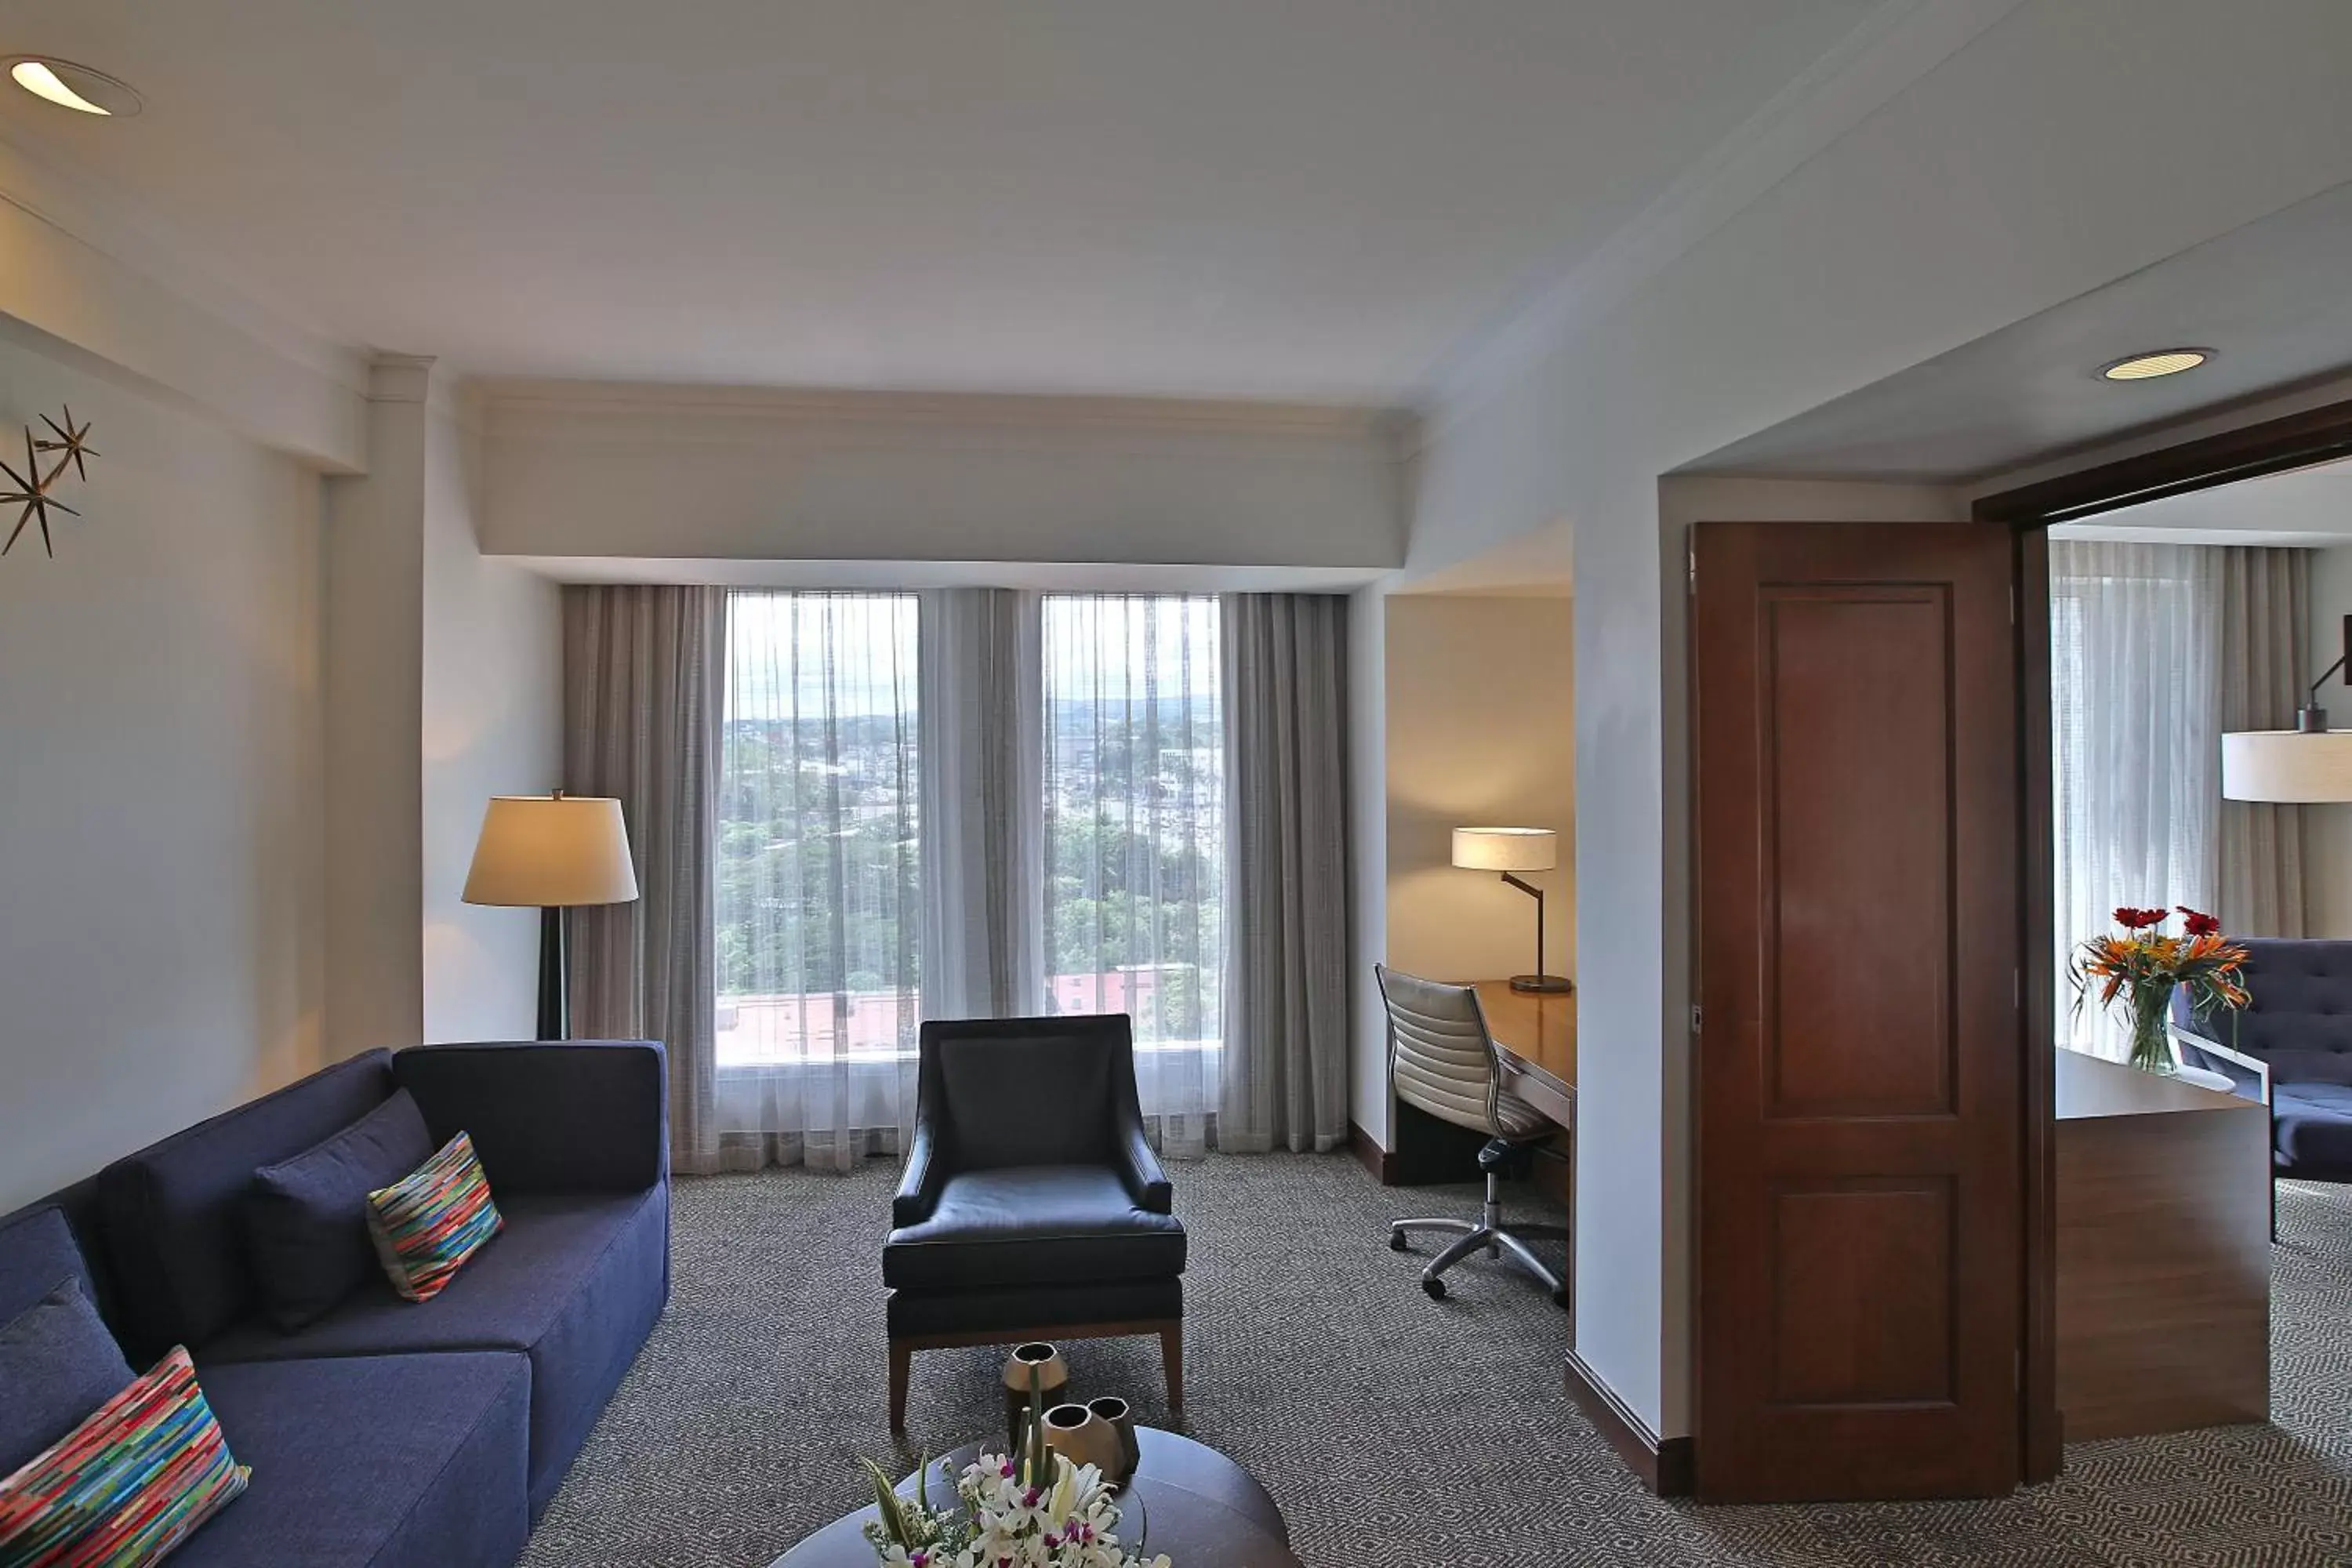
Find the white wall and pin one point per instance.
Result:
(588, 470)
(491, 723)
(1368, 874)
(1480, 733)
(2020, 172)
(159, 834)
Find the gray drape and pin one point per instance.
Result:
(1284, 1076)
(983, 839)
(2265, 605)
(643, 668)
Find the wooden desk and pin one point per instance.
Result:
(1536, 1037)
(2164, 1257)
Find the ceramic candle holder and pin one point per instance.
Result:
(1053, 1377)
(1114, 1413)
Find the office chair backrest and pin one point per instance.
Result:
(1441, 1058)
(1026, 1091)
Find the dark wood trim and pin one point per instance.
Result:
(904, 1346)
(1663, 1464)
(1380, 1161)
(2273, 446)
(2043, 1451)
(2267, 447)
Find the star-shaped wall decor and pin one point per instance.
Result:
(72, 441)
(32, 491)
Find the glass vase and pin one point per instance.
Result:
(2151, 1041)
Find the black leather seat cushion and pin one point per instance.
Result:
(1033, 1225)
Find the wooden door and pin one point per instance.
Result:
(1859, 1048)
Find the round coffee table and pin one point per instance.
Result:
(1203, 1510)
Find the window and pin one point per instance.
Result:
(817, 865)
(1135, 774)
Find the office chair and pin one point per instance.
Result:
(1442, 1059)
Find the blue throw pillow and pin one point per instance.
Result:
(37, 1250)
(306, 1218)
(58, 1361)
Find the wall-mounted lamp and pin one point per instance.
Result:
(1511, 850)
(2309, 763)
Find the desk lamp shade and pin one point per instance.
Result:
(1505, 848)
(1511, 850)
(552, 853)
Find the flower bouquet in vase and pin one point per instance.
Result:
(1030, 1509)
(2142, 965)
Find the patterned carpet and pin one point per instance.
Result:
(1396, 1432)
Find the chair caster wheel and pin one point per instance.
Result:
(1559, 1298)
(1397, 1242)
(1436, 1289)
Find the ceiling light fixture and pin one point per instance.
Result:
(2148, 366)
(69, 86)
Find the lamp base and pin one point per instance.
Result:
(1543, 985)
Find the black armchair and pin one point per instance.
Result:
(1032, 1205)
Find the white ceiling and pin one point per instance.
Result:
(2272, 300)
(1268, 199)
(2309, 507)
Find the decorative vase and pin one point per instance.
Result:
(1083, 1437)
(1036, 1364)
(1115, 1411)
(2151, 1038)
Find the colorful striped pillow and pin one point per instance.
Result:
(126, 1486)
(425, 1225)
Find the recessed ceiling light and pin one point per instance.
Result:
(69, 86)
(2148, 367)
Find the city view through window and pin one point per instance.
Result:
(819, 877)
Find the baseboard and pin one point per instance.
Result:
(1663, 1464)
(1380, 1161)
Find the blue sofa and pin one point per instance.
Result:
(390, 1433)
(2291, 1046)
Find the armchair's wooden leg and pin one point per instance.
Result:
(1171, 1364)
(902, 1360)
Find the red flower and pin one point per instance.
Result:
(2131, 918)
(2196, 924)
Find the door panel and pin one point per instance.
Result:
(1860, 1063)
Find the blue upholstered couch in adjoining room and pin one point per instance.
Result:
(2291, 1045)
(390, 1433)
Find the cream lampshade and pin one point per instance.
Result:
(1505, 848)
(552, 852)
(541, 851)
(2287, 765)
(1511, 850)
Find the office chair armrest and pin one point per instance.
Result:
(1139, 1169)
(919, 1183)
(2245, 1065)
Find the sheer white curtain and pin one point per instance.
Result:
(818, 877)
(2155, 650)
(1135, 838)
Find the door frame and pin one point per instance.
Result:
(2252, 452)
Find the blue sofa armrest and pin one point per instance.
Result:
(550, 1116)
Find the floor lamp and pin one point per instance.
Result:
(553, 853)
(2309, 765)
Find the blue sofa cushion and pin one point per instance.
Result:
(306, 1218)
(2311, 1123)
(413, 1461)
(574, 1282)
(549, 1116)
(59, 1363)
(37, 1252)
(176, 1211)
